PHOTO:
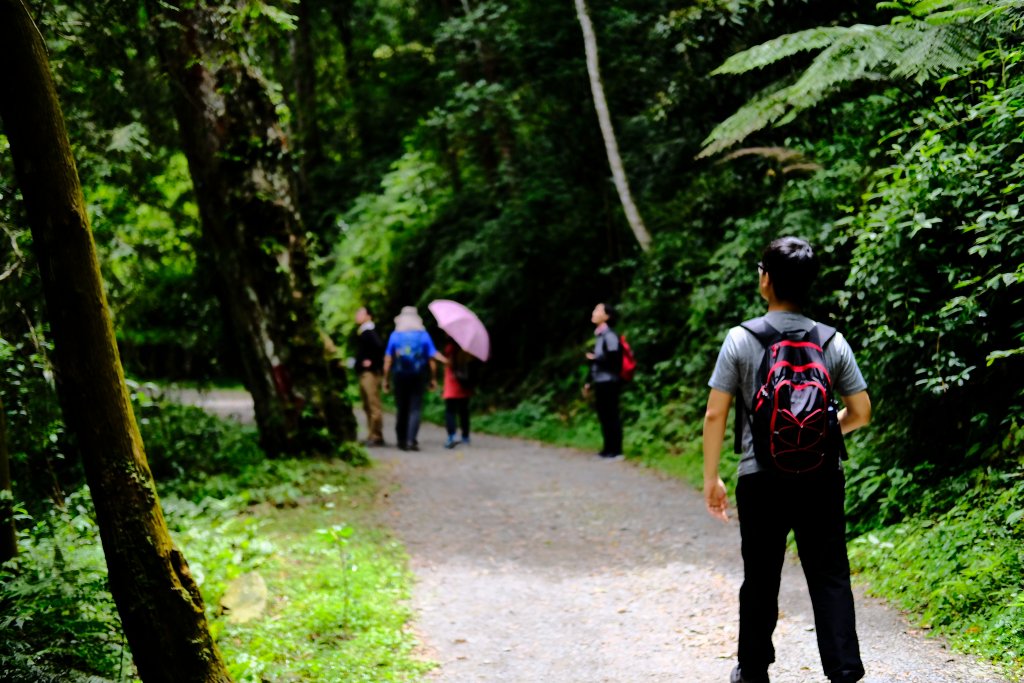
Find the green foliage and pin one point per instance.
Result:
(363, 262)
(957, 570)
(231, 512)
(931, 40)
(934, 288)
(56, 612)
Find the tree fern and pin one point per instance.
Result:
(931, 38)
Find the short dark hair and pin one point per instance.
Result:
(369, 311)
(611, 312)
(792, 266)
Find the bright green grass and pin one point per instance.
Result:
(338, 604)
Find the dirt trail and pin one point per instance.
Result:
(537, 564)
(540, 564)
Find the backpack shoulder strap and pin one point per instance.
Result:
(760, 328)
(822, 334)
(765, 334)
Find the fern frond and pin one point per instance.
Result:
(779, 48)
(912, 49)
(926, 7)
(841, 62)
(920, 53)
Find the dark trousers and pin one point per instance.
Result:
(456, 407)
(408, 408)
(606, 396)
(812, 506)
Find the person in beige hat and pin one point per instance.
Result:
(410, 361)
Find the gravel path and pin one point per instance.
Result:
(537, 564)
(540, 564)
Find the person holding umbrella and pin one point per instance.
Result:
(467, 341)
(457, 390)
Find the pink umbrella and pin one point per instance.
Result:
(463, 326)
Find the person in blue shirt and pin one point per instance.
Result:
(410, 363)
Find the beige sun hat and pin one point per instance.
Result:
(409, 319)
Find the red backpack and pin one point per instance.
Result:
(793, 416)
(628, 360)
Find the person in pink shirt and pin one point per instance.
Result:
(458, 388)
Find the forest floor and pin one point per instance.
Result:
(539, 564)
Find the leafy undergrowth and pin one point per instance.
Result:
(337, 583)
(958, 572)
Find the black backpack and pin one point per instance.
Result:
(792, 416)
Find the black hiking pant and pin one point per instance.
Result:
(812, 505)
(606, 396)
(408, 408)
(456, 407)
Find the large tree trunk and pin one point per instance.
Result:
(604, 118)
(8, 533)
(239, 166)
(158, 600)
(306, 123)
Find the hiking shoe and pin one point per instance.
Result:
(612, 456)
(414, 446)
(847, 677)
(402, 446)
(737, 677)
(451, 442)
(465, 440)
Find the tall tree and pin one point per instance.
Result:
(604, 118)
(159, 602)
(8, 532)
(240, 167)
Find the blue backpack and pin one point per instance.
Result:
(410, 358)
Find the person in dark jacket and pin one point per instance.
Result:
(369, 371)
(606, 379)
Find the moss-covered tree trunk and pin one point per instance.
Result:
(240, 167)
(160, 606)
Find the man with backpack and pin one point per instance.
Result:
(606, 379)
(785, 370)
(410, 360)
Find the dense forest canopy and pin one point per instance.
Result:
(411, 150)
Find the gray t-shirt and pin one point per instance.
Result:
(736, 371)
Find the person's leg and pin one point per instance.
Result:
(615, 418)
(763, 532)
(449, 421)
(376, 416)
(364, 394)
(369, 390)
(402, 405)
(449, 416)
(603, 401)
(821, 542)
(464, 419)
(415, 411)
